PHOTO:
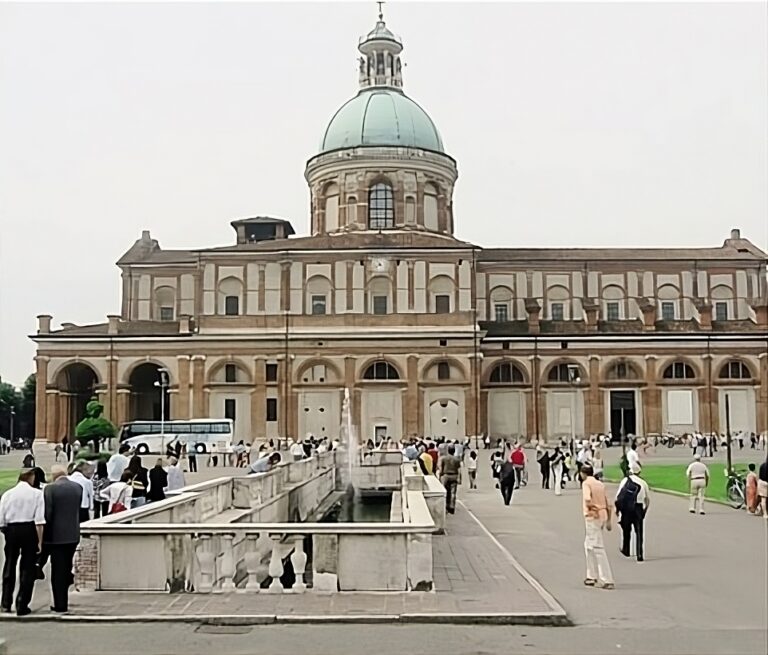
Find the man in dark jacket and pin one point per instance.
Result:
(62, 532)
(507, 477)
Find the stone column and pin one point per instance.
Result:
(762, 395)
(530, 418)
(411, 408)
(259, 399)
(51, 402)
(123, 406)
(182, 400)
(651, 396)
(538, 408)
(199, 408)
(292, 402)
(594, 414)
(40, 399)
(708, 411)
(109, 398)
(64, 403)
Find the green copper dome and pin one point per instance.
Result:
(381, 117)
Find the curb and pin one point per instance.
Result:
(679, 494)
(554, 619)
(555, 607)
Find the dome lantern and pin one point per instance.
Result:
(380, 63)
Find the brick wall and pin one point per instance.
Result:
(87, 563)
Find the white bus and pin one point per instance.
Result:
(200, 435)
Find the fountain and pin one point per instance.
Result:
(349, 438)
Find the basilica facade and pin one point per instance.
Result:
(431, 335)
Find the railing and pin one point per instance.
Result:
(252, 557)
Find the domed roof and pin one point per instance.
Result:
(381, 117)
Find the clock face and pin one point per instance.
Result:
(379, 264)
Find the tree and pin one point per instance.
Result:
(10, 401)
(27, 413)
(94, 427)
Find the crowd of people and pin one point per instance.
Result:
(40, 520)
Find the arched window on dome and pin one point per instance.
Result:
(430, 207)
(379, 63)
(390, 64)
(381, 207)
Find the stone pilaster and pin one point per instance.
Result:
(51, 406)
(199, 406)
(762, 395)
(594, 416)
(123, 406)
(651, 397)
(411, 408)
(259, 399)
(182, 399)
(40, 399)
(538, 408)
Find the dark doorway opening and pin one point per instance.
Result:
(623, 415)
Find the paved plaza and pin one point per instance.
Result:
(701, 589)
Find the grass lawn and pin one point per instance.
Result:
(672, 478)
(8, 479)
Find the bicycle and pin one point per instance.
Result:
(735, 489)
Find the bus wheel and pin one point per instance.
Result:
(142, 449)
(200, 448)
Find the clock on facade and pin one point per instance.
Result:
(379, 264)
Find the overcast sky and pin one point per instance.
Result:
(572, 124)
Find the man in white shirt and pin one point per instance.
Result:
(698, 479)
(82, 475)
(175, 475)
(22, 517)
(297, 451)
(632, 501)
(633, 459)
(118, 463)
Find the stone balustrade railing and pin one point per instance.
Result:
(252, 557)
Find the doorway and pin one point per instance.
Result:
(623, 414)
(379, 435)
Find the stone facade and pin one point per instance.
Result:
(432, 335)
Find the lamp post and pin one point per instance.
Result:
(13, 415)
(162, 384)
(728, 431)
(573, 379)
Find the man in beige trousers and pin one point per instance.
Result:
(597, 517)
(698, 479)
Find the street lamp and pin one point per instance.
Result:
(162, 384)
(728, 430)
(573, 379)
(13, 415)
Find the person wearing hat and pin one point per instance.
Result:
(698, 479)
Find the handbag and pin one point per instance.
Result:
(119, 505)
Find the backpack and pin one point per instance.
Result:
(626, 500)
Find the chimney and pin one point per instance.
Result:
(44, 324)
(145, 236)
(114, 321)
(735, 233)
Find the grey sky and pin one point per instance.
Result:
(572, 124)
